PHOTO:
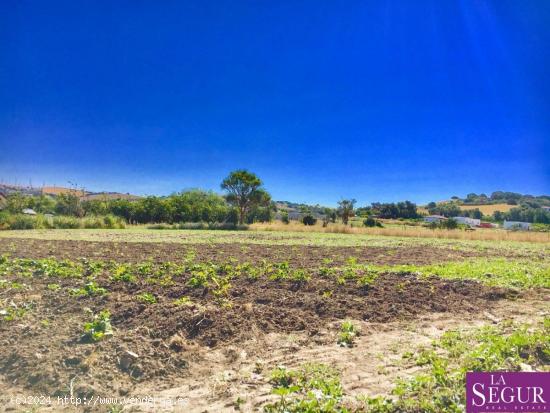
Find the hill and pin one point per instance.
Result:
(488, 209)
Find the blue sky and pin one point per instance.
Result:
(373, 100)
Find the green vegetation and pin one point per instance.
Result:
(28, 222)
(441, 388)
(345, 209)
(245, 202)
(309, 220)
(246, 194)
(146, 298)
(497, 272)
(371, 222)
(312, 388)
(183, 301)
(99, 328)
(89, 289)
(348, 332)
(406, 210)
(529, 208)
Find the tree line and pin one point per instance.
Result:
(244, 201)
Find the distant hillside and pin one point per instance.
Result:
(58, 190)
(504, 200)
(488, 209)
(109, 196)
(6, 189)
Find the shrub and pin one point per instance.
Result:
(64, 222)
(284, 217)
(20, 221)
(309, 220)
(92, 222)
(371, 222)
(112, 222)
(449, 224)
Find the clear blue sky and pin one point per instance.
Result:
(376, 100)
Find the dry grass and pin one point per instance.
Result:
(489, 209)
(58, 190)
(410, 231)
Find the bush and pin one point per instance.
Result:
(449, 224)
(371, 222)
(92, 222)
(284, 217)
(112, 222)
(309, 220)
(20, 221)
(64, 222)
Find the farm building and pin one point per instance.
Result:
(29, 211)
(434, 218)
(472, 222)
(517, 225)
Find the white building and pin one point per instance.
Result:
(29, 211)
(473, 222)
(434, 218)
(517, 225)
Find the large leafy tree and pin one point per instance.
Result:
(345, 209)
(244, 192)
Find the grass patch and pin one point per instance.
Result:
(497, 272)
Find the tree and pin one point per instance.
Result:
(16, 202)
(345, 209)
(69, 204)
(244, 192)
(309, 219)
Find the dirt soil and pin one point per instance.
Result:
(299, 256)
(210, 354)
(43, 351)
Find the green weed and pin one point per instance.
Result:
(99, 328)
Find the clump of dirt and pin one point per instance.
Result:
(43, 349)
